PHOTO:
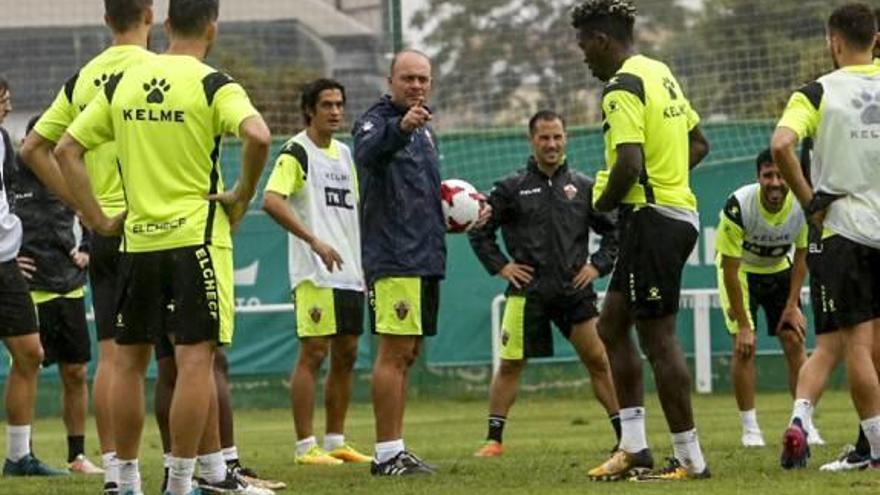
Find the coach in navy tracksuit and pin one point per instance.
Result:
(403, 244)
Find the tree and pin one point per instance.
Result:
(499, 60)
(274, 90)
(741, 59)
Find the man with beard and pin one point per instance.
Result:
(545, 214)
(757, 228)
(843, 207)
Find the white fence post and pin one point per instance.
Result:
(496, 331)
(703, 343)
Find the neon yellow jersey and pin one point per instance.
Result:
(644, 104)
(72, 99)
(168, 117)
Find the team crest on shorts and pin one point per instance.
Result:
(315, 314)
(654, 294)
(570, 191)
(505, 337)
(401, 309)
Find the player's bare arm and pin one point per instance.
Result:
(276, 206)
(745, 337)
(625, 173)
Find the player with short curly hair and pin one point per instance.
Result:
(652, 140)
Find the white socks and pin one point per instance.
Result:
(304, 445)
(871, 427)
(18, 442)
(212, 467)
(129, 476)
(333, 441)
(686, 447)
(386, 451)
(632, 429)
(180, 475)
(230, 454)
(111, 467)
(749, 420)
(803, 410)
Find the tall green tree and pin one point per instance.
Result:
(497, 58)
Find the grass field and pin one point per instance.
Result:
(550, 443)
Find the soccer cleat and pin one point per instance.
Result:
(623, 464)
(490, 449)
(232, 484)
(849, 460)
(251, 477)
(674, 471)
(403, 464)
(30, 466)
(795, 449)
(752, 438)
(83, 465)
(317, 456)
(814, 438)
(111, 488)
(347, 453)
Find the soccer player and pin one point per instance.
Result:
(545, 214)
(130, 22)
(55, 265)
(18, 327)
(168, 116)
(313, 194)
(843, 206)
(651, 141)
(757, 228)
(239, 479)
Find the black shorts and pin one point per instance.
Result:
(64, 332)
(104, 259)
(653, 251)
(525, 328)
(844, 283)
(406, 306)
(185, 292)
(327, 312)
(770, 292)
(16, 307)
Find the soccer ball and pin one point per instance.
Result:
(461, 205)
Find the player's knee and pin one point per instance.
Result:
(511, 368)
(28, 358)
(343, 358)
(74, 375)
(312, 354)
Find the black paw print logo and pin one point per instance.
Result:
(101, 80)
(870, 106)
(156, 90)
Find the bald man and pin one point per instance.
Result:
(403, 244)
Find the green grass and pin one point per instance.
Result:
(550, 443)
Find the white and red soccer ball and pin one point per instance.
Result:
(461, 205)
